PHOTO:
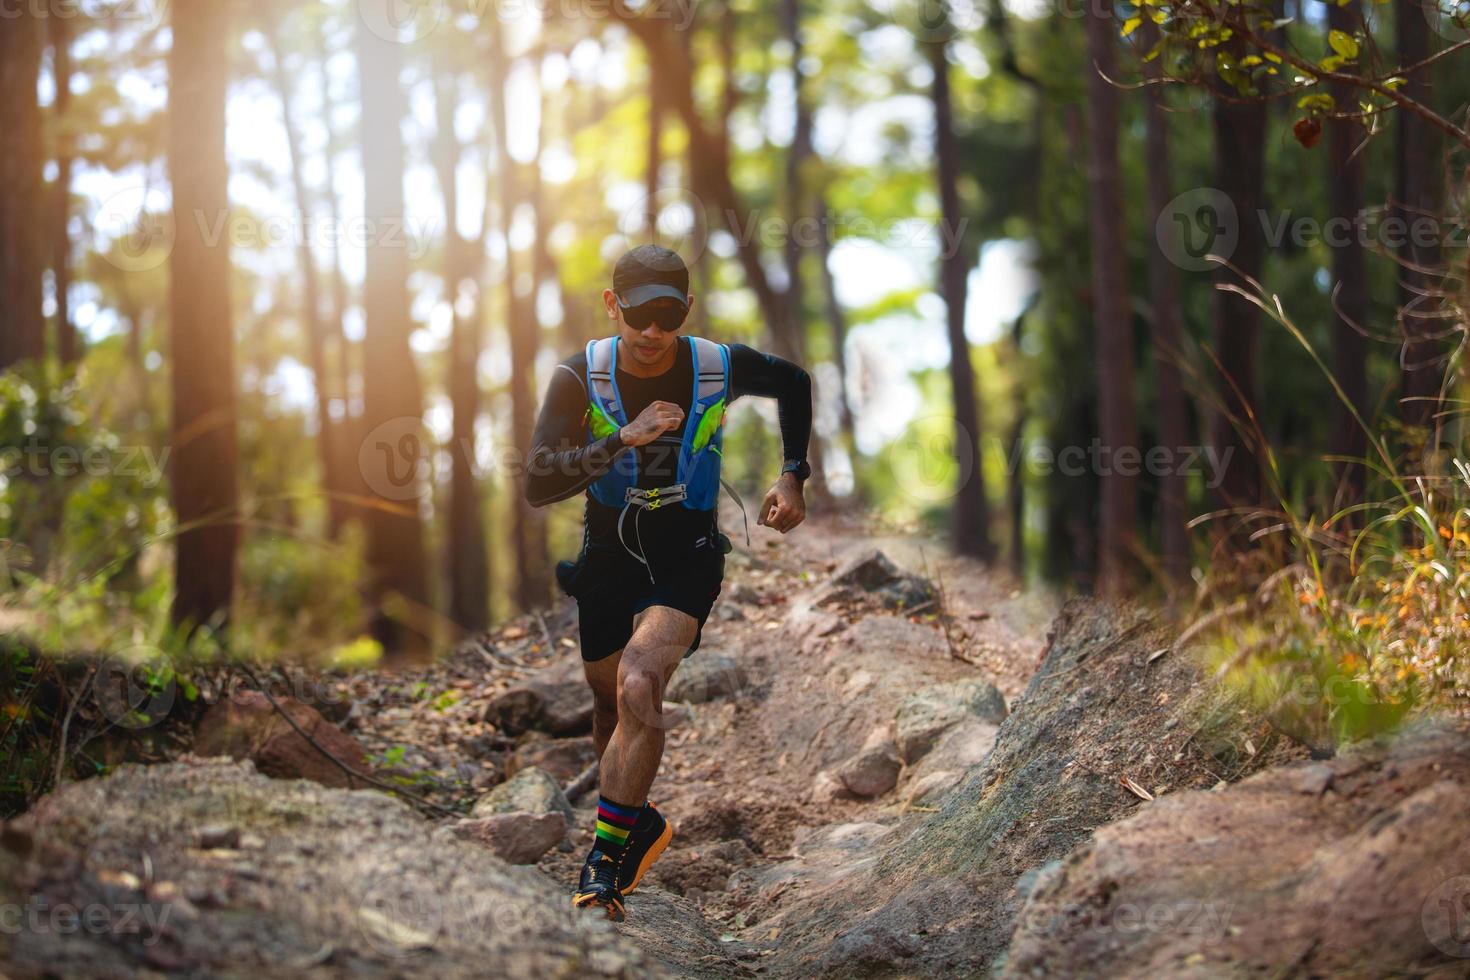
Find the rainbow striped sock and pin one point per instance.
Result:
(614, 823)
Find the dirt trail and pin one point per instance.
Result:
(744, 776)
(859, 786)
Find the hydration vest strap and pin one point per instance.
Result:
(655, 498)
(744, 517)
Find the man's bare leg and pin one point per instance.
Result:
(602, 677)
(661, 637)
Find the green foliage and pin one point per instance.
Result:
(301, 597)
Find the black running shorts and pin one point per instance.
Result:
(611, 586)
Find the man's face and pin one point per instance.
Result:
(649, 345)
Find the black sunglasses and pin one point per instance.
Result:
(667, 316)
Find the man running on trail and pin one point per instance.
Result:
(635, 421)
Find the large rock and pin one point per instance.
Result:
(1096, 710)
(1275, 876)
(705, 676)
(342, 884)
(530, 790)
(564, 759)
(245, 726)
(924, 716)
(516, 837)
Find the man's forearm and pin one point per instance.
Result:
(553, 475)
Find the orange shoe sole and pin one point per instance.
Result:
(614, 909)
(653, 855)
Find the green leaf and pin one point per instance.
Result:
(1331, 63)
(1343, 44)
(1393, 84)
(1317, 102)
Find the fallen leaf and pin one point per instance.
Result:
(1135, 789)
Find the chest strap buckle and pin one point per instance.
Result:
(655, 498)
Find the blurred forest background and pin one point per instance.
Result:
(283, 283)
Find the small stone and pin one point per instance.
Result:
(531, 790)
(564, 759)
(706, 676)
(871, 772)
(1314, 780)
(219, 836)
(515, 711)
(924, 716)
(869, 572)
(515, 838)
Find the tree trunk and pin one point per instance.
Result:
(1240, 165)
(393, 399)
(1016, 472)
(205, 479)
(533, 584)
(1163, 278)
(1418, 149)
(1118, 424)
(22, 325)
(311, 304)
(655, 159)
(837, 329)
(67, 348)
(1349, 272)
(344, 377)
(800, 226)
(469, 567)
(971, 518)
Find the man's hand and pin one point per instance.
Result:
(784, 506)
(652, 422)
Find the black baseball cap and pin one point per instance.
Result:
(650, 272)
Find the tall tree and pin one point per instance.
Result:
(1418, 162)
(205, 479)
(393, 398)
(22, 325)
(1117, 537)
(311, 304)
(469, 566)
(533, 581)
(1240, 174)
(61, 70)
(837, 332)
(343, 369)
(971, 517)
(1163, 279)
(1349, 274)
(799, 158)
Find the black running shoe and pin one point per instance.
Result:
(651, 834)
(599, 885)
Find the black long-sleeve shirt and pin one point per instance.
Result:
(563, 463)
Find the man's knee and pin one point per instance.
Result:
(640, 692)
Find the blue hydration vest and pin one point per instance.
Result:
(697, 483)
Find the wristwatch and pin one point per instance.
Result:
(800, 467)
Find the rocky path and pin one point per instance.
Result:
(837, 690)
(883, 762)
